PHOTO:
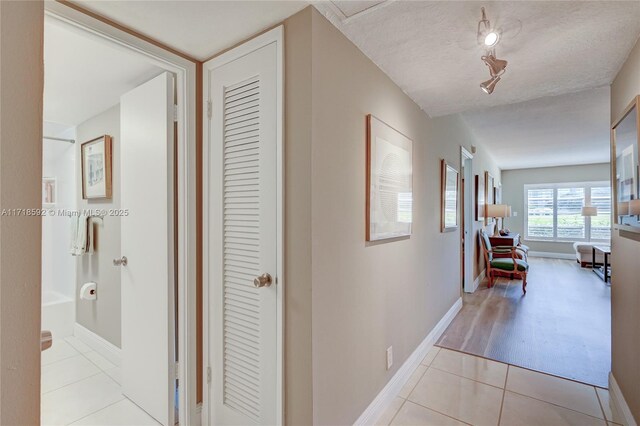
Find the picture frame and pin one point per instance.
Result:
(389, 199)
(49, 191)
(489, 196)
(96, 168)
(480, 197)
(448, 197)
(625, 168)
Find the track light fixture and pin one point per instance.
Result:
(488, 38)
(487, 35)
(488, 86)
(496, 66)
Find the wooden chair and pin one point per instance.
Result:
(512, 266)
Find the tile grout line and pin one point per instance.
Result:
(464, 377)
(73, 383)
(436, 411)
(404, 401)
(103, 408)
(604, 415)
(557, 405)
(504, 392)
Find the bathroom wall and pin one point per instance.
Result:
(101, 316)
(58, 161)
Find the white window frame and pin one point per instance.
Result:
(587, 186)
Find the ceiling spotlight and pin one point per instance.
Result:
(496, 66)
(491, 39)
(488, 86)
(487, 36)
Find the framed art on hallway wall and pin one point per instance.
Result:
(96, 168)
(480, 197)
(389, 205)
(448, 197)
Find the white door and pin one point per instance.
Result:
(148, 335)
(242, 191)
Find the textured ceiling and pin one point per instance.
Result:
(83, 76)
(428, 47)
(552, 131)
(198, 28)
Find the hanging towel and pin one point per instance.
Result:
(81, 235)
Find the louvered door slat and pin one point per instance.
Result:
(242, 237)
(241, 188)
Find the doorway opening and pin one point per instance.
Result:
(115, 248)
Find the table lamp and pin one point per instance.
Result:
(498, 211)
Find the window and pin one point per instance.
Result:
(553, 212)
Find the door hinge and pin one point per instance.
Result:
(209, 109)
(175, 113)
(177, 370)
(208, 374)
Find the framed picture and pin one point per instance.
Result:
(497, 194)
(480, 198)
(49, 191)
(96, 168)
(389, 207)
(625, 145)
(489, 195)
(448, 197)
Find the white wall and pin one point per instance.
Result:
(58, 266)
(103, 315)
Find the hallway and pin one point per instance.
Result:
(452, 388)
(561, 327)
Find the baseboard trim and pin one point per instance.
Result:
(98, 344)
(620, 402)
(552, 255)
(479, 279)
(394, 386)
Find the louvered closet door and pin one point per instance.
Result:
(242, 235)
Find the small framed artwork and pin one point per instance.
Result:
(497, 194)
(448, 197)
(480, 198)
(489, 195)
(49, 191)
(389, 208)
(96, 168)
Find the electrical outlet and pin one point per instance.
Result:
(389, 357)
(515, 213)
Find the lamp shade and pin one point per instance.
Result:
(589, 211)
(498, 210)
(623, 208)
(634, 207)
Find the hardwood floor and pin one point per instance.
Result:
(561, 327)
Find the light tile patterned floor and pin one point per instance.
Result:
(452, 388)
(81, 387)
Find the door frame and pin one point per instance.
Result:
(466, 252)
(185, 163)
(276, 36)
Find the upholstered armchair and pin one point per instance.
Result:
(503, 265)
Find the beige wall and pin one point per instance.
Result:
(625, 248)
(513, 194)
(297, 212)
(102, 316)
(348, 300)
(21, 81)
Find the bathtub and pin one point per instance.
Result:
(58, 314)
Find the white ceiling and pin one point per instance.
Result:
(84, 76)
(197, 28)
(428, 47)
(552, 131)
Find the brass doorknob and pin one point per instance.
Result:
(263, 280)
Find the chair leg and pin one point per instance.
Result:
(524, 283)
(490, 279)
